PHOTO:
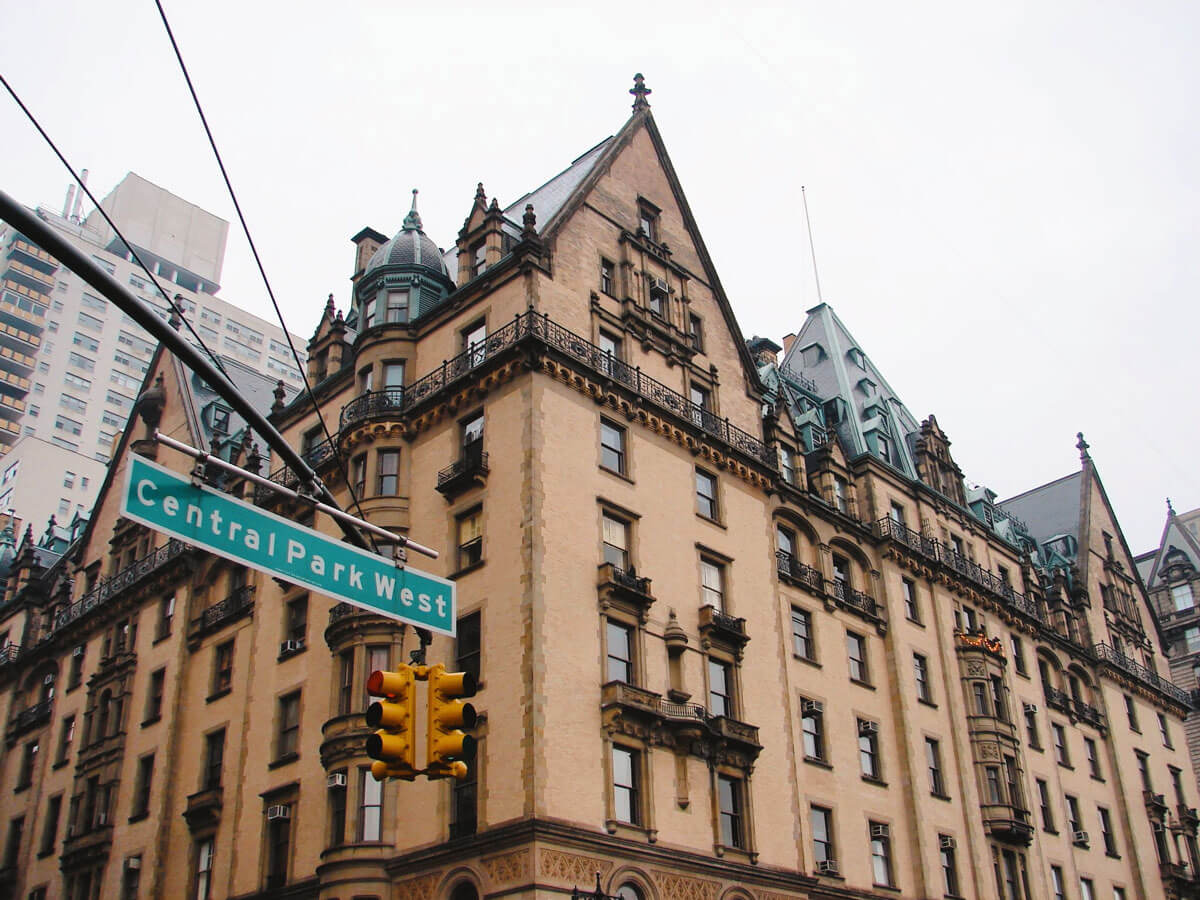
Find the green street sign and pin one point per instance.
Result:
(240, 531)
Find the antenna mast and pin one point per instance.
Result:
(811, 248)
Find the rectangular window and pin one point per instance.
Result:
(68, 425)
(616, 541)
(377, 660)
(1018, 655)
(65, 737)
(612, 446)
(90, 321)
(345, 682)
(464, 816)
(1131, 713)
(712, 584)
(648, 221)
(607, 274)
(896, 513)
(287, 741)
(358, 474)
(1144, 770)
(840, 490)
(1060, 744)
(933, 761)
(1086, 890)
(1057, 885)
(1031, 729)
(370, 813)
(626, 786)
(166, 615)
(696, 332)
(1106, 831)
(279, 841)
(214, 760)
(468, 645)
(142, 785)
(856, 654)
(397, 307)
(1164, 731)
(50, 825)
(222, 668)
(337, 809)
(620, 652)
(921, 674)
(824, 847)
(1093, 757)
(881, 854)
(802, 634)
(388, 484)
(720, 688)
(730, 803)
(610, 346)
(1043, 791)
(911, 609)
(296, 621)
(992, 779)
(12, 848)
(95, 303)
(1074, 822)
(28, 761)
(470, 539)
(868, 749)
(154, 695)
(1181, 595)
(949, 864)
(706, 495)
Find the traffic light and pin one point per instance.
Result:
(449, 750)
(392, 745)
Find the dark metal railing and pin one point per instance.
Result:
(1057, 699)
(718, 619)
(31, 717)
(229, 608)
(792, 568)
(625, 694)
(1085, 712)
(628, 579)
(469, 464)
(315, 456)
(539, 327)
(126, 578)
(1107, 654)
(849, 597)
(9, 654)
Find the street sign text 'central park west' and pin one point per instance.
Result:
(246, 534)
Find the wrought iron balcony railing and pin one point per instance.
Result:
(224, 611)
(854, 600)
(29, 718)
(126, 578)
(462, 471)
(1107, 654)
(9, 654)
(1057, 699)
(791, 568)
(316, 456)
(731, 628)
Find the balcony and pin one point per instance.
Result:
(86, 848)
(9, 653)
(1156, 804)
(469, 471)
(1056, 699)
(1109, 656)
(795, 572)
(849, 599)
(316, 456)
(684, 727)
(204, 808)
(717, 626)
(383, 404)
(30, 718)
(217, 616)
(122, 581)
(624, 589)
(1010, 824)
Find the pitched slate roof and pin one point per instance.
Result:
(1175, 536)
(1051, 509)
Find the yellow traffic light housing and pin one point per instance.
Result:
(448, 748)
(392, 745)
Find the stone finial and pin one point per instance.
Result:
(176, 320)
(494, 206)
(413, 220)
(1170, 508)
(480, 193)
(280, 393)
(529, 220)
(150, 405)
(1082, 446)
(674, 635)
(330, 308)
(640, 92)
(254, 459)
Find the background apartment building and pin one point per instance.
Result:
(741, 628)
(71, 365)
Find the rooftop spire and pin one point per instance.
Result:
(1082, 446)
(1170, 508)
(640, 91)
(413, 219)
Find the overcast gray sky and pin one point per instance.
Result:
(1004, 195)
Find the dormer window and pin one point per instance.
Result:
(220, 419)
(885, 448)
(648, 220)
(397, 307)
(478, 259)
(368, 313)
(856, 357)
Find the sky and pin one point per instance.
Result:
(1003, 196)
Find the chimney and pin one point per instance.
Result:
(79, 196)
(788, 340)
(70, 196)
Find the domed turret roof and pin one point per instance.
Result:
(410, 247)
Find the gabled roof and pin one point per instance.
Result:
(826, 354)
(1051, 509)
(1175, 537)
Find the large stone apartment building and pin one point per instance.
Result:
(742, 630)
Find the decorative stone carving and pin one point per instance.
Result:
(514, 866)
(571, 868)
(678, 887)
(421, 888)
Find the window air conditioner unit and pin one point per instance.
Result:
(279, 811)
(1081, 837)
(133, 863)
(291, 646)
(336, 780)
(658, 284)
(880, 831)
(78, 651)
(813, 706)
(1031, 707)
(865, 727)
(947, 842)
(101, 819)
(828, 867)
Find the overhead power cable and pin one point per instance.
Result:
(111, 224)
(337, 455)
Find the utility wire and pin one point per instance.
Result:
(337, 455)
(111, 224)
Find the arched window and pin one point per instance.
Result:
(630, 891)
(464, 890)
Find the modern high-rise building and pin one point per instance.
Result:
(1171, 573)
(742, 630)
(71, 365)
